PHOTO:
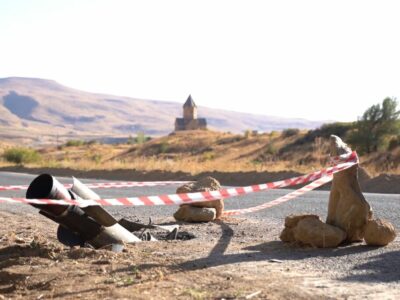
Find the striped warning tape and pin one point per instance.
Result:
(187, 198)
(102, 185)
(348, 157)
(351, 156)
(309, 187)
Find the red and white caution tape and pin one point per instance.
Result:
(102, 185)
(187, 198)
(309, 187)
(346, 157)
(351, 158)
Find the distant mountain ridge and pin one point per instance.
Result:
(45, 106)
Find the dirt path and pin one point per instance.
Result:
(235, 259)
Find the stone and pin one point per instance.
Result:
(292, 220)
(308, 229)
(287, 235)
(314, 232)
(205, 184)
(188, 213)
(347, 208)
(379, 232)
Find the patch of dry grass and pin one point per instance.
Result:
(202, 151)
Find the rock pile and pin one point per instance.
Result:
(200, 211)
(347, 208)
(310, 230)
(349, 214)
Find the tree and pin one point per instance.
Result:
(377, 123)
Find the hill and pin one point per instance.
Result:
(42, 111)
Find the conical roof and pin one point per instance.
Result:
(189, 102)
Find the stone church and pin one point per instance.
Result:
(190, 120)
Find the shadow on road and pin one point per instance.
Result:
(379, 268)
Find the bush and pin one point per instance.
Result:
(75, 143)
(290, 132)
(21, 155)
(394, 143)
(378, 123)
(96, 158)
(91, 142)
(229, 140)
(340, 129)
(271, 149)
(163, 148)
(140, 138)
(247, 133)
(337, 128)
(208, 155)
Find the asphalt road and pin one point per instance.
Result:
(385, 206)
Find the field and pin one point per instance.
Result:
(199, 151)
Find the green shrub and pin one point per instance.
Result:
(75, 143)
(337, 128)
(271, 149)
(374, 129)
(229, 140)
(96, 158)
(208, 155)
(290, 132)
(394, 143)
(21, 155)
(247, 133)
(273, 134)
(163, 148)
(140, 138)
(91, 142)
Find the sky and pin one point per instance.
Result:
(319, 60)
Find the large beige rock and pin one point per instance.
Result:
(187, 213)
(205, 184)
(379, 232)
(287, 235)
(314, 232)
(291, 221)
(347, 208)
(308, 229)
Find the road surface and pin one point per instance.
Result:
(385, 206)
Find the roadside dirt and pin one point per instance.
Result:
(33, 265)
(233, 259)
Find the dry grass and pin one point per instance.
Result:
(202, 151)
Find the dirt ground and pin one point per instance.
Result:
(217, 264)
